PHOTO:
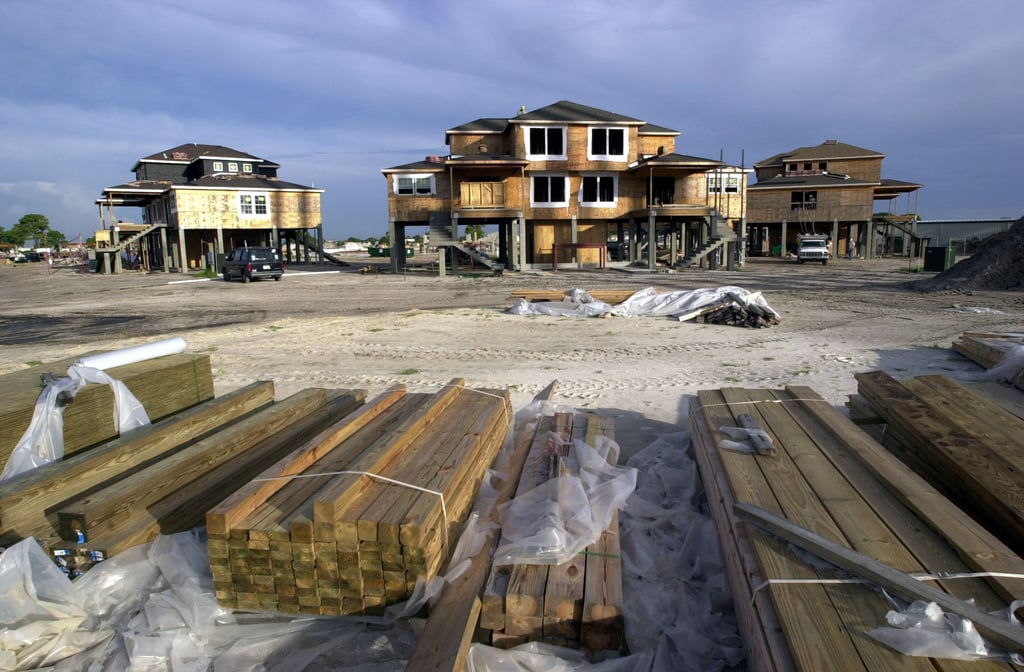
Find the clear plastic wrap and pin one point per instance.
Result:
(558, 519)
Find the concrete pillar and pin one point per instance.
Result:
(782, 248)
(163, 249)
(835, 238)
(182, 252)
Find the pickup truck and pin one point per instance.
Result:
(812, 248)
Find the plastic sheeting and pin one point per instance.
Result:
(558, 519)
(644, 303)
(43, 441)
(152, 608)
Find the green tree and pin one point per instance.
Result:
(9, 237)
(31, 227)
(474, 232)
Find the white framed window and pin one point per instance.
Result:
(232, 167)
(607, 143)
(246, 167)
(549, 191)
(727, 184)
(599, 190)
(218, 166)
(545, 142)
(253, 204)
(414, 185)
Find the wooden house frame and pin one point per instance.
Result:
(198, 203)
(828, 189)
(568, 178)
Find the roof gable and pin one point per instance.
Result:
(189, 152)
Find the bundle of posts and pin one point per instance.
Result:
(578, 603)
(348, 522)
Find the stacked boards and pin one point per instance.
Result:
(348, 521)
(990, 350)
(163, 385)
(829, 477)
(966, 446)
(576, 604)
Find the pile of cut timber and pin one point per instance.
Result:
(965, 445)
(163, 385)
(161, 479)
(830, 481)
(733, 311)
(349, 521)
(988, 350)
(576, 604)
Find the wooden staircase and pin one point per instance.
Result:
(441, 236)
(724, 236)
(135, 237)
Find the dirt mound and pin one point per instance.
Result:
(998, 264)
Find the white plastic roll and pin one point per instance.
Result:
(138, 353)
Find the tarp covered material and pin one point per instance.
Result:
(152, 607)
(644, 303)
(43, 440)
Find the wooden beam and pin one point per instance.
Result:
(999, 632)
(443, 645)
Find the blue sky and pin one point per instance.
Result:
(336, 91)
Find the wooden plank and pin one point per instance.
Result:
(444, 642)
(812, 638)
(105, 510)
(239, 504)
(163, 385)
(331, 499)
(963, 467)
(981, 550)
(791, 475)
(186, 508)
(760, 629)
(25, 498)
(1001, 633)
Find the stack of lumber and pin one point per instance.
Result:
(29, 501)
(965, 445)
(988, 350)
(609, 296)
(830, 480)
(163, 385)
(576, 604)
(348, 521)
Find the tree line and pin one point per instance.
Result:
(35, 228)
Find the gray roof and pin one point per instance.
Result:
(191, 151)
(823, 180)
(482, 125)
(244, 182)
(830, 149)
(680, 160)
(565, 111)
(652, 129)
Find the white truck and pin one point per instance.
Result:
(812, 247)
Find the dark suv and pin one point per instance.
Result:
(250, 263)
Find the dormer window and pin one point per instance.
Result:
(246, 167)
(545, 143)
(218, 166)
(232, 167)
(607, 144)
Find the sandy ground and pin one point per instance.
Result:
(322, 326)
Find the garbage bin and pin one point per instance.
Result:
(938, 259)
